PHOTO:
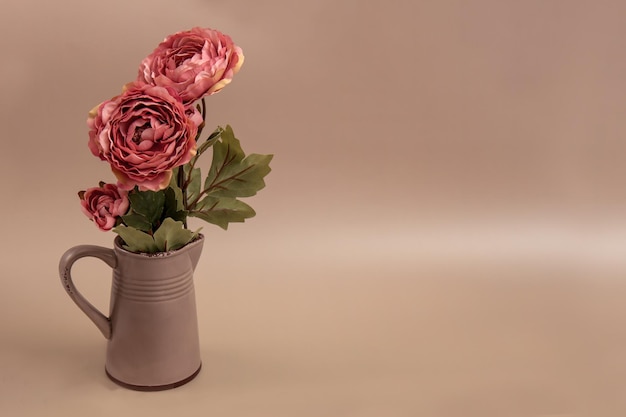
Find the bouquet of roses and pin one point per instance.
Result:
(150, 135)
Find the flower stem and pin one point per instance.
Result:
(183, 182)
(180, 180)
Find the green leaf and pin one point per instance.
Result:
(232, 173)
(178, 193)
(171, 206)
(223, 210)
(213, 137)
(172, 235)
(193, 189)
(215, 134)
(136, 240)
(138, 221)
(148, 203)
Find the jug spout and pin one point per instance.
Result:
(194, 252)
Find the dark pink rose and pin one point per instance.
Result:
(104, 204)
(144, 133)
(196, 63)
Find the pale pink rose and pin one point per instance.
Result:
(104, 204)
(196, 63)
(144, 133)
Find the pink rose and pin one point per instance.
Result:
(196, 63)
(104, 204)
(144, 133)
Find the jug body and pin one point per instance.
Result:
(152, 327)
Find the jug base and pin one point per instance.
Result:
(153, 387)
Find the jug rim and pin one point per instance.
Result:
(118, 241)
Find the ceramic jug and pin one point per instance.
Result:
(152, 326)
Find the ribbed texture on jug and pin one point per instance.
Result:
(155, 289)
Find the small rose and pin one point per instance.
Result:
(196, 63)
(104, 204)
(144, 133)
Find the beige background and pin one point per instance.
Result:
(442, 235)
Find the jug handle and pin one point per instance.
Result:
(102, 322)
